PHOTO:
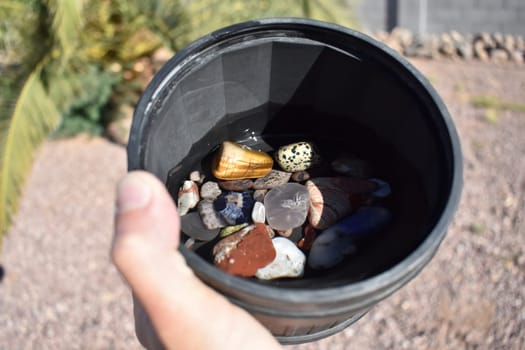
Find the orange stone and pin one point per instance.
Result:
(310, 234)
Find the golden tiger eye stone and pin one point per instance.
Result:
(234, 162)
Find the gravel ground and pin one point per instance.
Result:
(60, 291)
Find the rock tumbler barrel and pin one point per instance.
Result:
(262, 82)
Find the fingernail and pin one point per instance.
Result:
(133, 193)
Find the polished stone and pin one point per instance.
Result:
(234, 162)
(236, 185)
(286, 206)
(339, 240)
(258, 213)
(351, 166)
(188, 197)
(210, 217)
(331, 198)
(234, 207)
(300, 176)
(273, 179)
(289, 261)
(228, 230)
(309, 236)
(297, 156)
(245, 252)
(210, 190)
(258, 195)
(382, 190)
(193, 226)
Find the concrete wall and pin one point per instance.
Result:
(438, 16)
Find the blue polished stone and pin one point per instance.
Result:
(235, 207)
(338, 241)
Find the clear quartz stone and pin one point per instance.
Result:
(287, 206)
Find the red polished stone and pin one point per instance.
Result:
(246, 252)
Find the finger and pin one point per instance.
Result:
(183, 311)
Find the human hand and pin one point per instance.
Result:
(172, 306)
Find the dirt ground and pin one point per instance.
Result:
(59, 290)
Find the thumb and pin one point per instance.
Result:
(144, 250)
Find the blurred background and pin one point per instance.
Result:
(77, 66)
(71, 72)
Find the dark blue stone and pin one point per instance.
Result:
(338, 241)
(234, 207)
(363, 222)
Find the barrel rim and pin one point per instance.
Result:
(226, 283)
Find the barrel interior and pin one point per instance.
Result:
(342, 94)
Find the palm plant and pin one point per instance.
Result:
(27, 112)
(47, 49)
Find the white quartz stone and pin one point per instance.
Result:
(289, 261)
(258, 213)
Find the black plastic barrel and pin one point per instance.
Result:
(264, 82)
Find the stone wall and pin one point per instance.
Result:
(440, 16)
(495, 47)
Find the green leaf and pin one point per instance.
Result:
(67, 21)
(22, 130)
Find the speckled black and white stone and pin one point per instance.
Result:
(297, 156)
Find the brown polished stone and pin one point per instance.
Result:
(236, 185)
(331, 198)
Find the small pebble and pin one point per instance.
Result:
(309, 236)
(286, 206)
(382, 190)
(210, 218)
(193, 226)
(289, 261)
(228, 230)
(258, 212)
(285, 233)
(193, 244)
(273, 179)
(188, 197)
(245, 252)
(258, 195)
(236, 185)
(234, 207)
(300, 176)
(351, 166)
(210, 190)
(296, 234)
(338, 241)
(190, 243)
(297, 156)
(197, 177)
(270, 231)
